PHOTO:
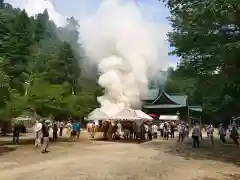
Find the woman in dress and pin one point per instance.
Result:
(69, 129)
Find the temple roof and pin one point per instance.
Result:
(157, 97)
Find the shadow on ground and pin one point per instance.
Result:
(131, 141)
(224, 177)
(223, 153)
(6, 149)
(28, 141)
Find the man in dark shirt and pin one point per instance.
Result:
(55, 130)
(45, 137)
(172, 127)
(16, 133)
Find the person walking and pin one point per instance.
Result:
(172, 127)
(45, 132)
(210, 131)
(181, 132)
(196, 132)
(235, 135)
(39, 135)
(16, 133)
(75, 127)
(222, 133)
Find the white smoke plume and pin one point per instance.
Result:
(127, 49)
(126, 46)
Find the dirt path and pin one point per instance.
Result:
(157, 160)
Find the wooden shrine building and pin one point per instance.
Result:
(161, 103)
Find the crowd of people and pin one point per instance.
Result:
(47, 131)
(233, 132)
(167, 129)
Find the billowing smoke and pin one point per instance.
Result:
(127, 49)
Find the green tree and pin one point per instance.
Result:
(4, 89)
(64, 67)
(18, 50)
(206, 37)
(40, 67)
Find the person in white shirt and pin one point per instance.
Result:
(210, 131)
(146, 131)
(61, 128)
(119, 130)
(50, 131)
(38, 130)
(181, 132)
(154, 131)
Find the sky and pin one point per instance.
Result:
(81, 9)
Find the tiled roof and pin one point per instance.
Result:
(153, 94)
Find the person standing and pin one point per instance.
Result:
(222, 133)
(150, 132)
(146, 131)
(154, 130)
(61, 128)
(55, 130)
(186, 131)
(119, 131)
(75, 127)
(79, 130)
(181, 132)
(45, 132)
(50, 130)
(234, 135)
(196, 132)
(166, 131)
(210, 131)
(172, 127)
(39, 135)
(93, 129)
(16, 133)
(69, 129)
(161, 128)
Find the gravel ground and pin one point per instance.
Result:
(98, 160)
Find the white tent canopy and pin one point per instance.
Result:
(125, 113)
(169, 117)
(143, 115)
(97, 114)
